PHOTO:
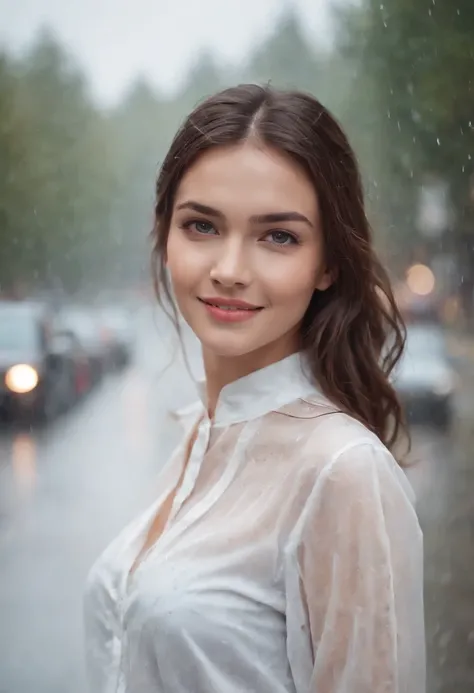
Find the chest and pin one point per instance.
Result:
(211, 577)
(218, 534)
(162, 516)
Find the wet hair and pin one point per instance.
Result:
(352, 333)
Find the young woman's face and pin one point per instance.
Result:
(245, 250)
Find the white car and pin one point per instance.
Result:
(424, 378)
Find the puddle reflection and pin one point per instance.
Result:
(24, 464)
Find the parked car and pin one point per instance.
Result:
(69, 345)
(87, 330)
(120, 335)
(36, 381)
(425, 378)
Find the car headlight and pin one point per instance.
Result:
(444, 386)
(21, 378)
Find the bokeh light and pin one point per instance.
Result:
(420, 280)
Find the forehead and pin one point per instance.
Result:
(249, 176)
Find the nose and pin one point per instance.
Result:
(231, 266)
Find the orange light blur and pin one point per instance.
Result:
(420, 280)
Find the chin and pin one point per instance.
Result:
(230, 346)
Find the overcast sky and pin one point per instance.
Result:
(115, 40)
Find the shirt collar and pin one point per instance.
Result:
(265, 390)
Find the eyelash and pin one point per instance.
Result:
(188, 226)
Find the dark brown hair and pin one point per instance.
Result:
(352, 333)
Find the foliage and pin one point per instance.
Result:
(417, 59)
(76, 187)
(60, 173)
(76, 182)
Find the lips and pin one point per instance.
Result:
(229, 311)
(230, 305)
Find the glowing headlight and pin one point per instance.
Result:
(21, 378)
(444, 386)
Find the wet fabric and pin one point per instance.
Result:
(291, 560)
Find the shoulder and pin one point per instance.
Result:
(333, 446)
(324, 432)
(347, 480)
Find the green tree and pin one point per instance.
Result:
(418, 61)
(68, 162)
(203, 79)
(16, 215)
(139, 129)
(286, 59)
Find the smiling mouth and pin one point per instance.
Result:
(230, 308)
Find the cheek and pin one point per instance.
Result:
(181, 261)
(291, 283)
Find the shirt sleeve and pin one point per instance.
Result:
(354, 580)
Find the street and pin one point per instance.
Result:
(65, 492)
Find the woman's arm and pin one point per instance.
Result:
(360, 566)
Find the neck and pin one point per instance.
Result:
(223, 370)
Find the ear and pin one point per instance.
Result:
(326, 280)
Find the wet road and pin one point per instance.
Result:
(63, 496)
(65, 493)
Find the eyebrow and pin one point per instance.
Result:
(272, 218)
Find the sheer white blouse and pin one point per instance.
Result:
(291, 561)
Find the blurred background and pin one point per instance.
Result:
(91, 92)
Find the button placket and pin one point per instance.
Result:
(192, 470)
(219, 488)
(191, 473)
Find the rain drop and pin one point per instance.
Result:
(438, 141)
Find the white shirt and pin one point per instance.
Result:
(291, 561)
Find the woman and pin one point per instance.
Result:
(283, 553)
